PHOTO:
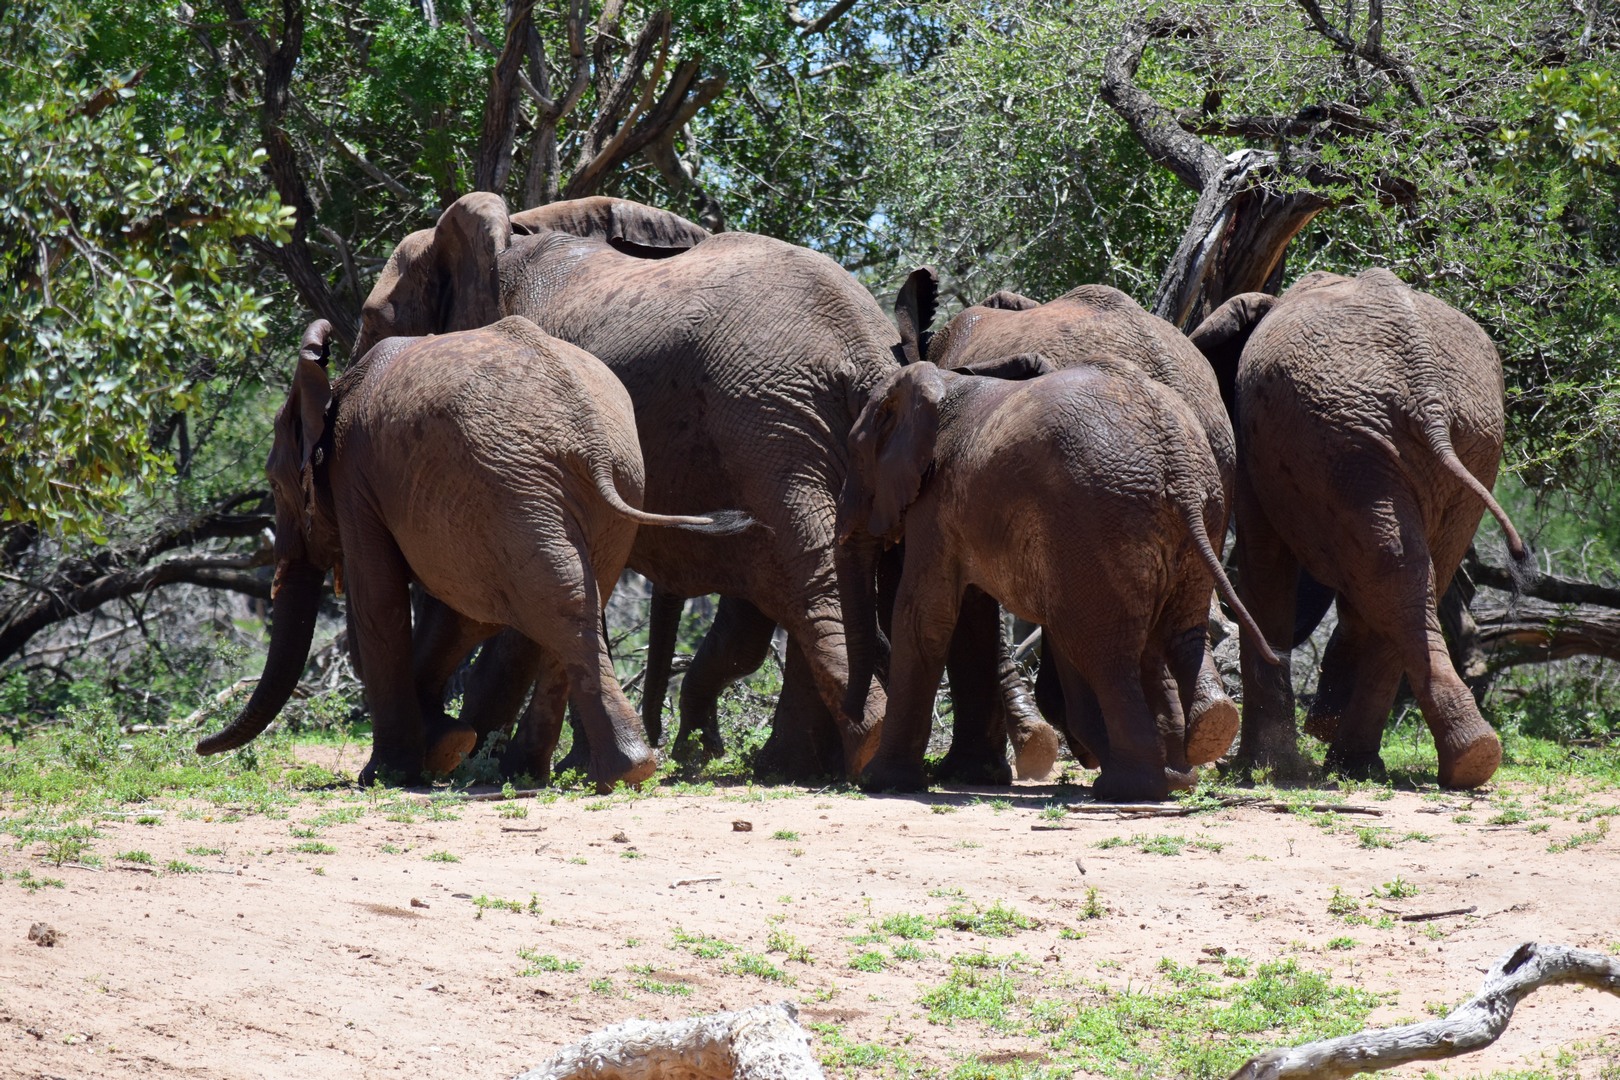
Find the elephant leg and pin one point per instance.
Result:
(441, 640)
(978, 753)
(539, 728)
(1163, 693)
(1035, 743)
(1402, 595)
(663, 626)
(1133, 762)
(1081, 721)
(804, 743)
(578, 758)
(735, 647)
(1268, 575)
(380, 605)
(572, 632)
(924, 622)
(1361, 673)
(499, 682)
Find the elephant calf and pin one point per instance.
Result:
(500, 469)
(1080, 499)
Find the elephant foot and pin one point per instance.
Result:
(1035, 749)
(390, 771)
(1211, 727)
(1283, 766)
(620, 766)
(694, 747)
(883, 774)
(977, 767)
(1356, 765)
(860, 744)
(1467, 761)
(448, 746)
(1138, 783)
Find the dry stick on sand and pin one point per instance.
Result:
(1148, 810)
(762, 1043)
(1473, 1025)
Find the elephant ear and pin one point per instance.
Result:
(312, 389)
(1014, 368)
(1007, 300)
(914, 309)
(633, 228)
(467, 245)
(1221, 338)
(892, 450)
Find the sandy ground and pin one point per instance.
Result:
(375, 960)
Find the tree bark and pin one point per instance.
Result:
(1531, 631)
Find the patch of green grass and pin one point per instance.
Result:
(314, 847)
(26, 879)
(139, 858)
(908, 951)
(1054, 812)
(1371, 836)
(871, 960)
(202, 852)
(908, 927)
(702, 946)
(780, 941)
(1163, 844)
(512, 810)
(630, 853)
(540, 963)
(784, 834)
(971, 993)
(1399, 889)
(759, 967)
(1511, 816)
(1093, 907)
(176, 866)
(1581, 839)
(603, 986)
(441, 856)
(1341, 905)
(997, 920)
(942, 808)
(846, 1059)
(1341, 943)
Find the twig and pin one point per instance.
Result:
(481, 796)
(1430, 915)
(1473, 1025)
(693, 880)
(225, 695)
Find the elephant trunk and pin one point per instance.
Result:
(296, 599)
(857, 559)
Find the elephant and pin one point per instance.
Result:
(747, 360)
(499, 469)
(1083, 499)
(1087, 325)
(1370, 423)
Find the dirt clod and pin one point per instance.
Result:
(742, 826)
(43, 934)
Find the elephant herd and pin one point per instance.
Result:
(538, 401)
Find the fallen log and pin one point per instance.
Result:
(762, 1043)
(1531, 631)
(1471, 1026)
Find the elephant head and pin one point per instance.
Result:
(306, 544)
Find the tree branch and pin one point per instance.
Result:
(1154, 126)
(820, 23)
(1370, 50)
(494, 160)
(1471, 1026)
(1548, 587)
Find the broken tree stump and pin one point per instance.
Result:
(762, 1043)
(1473, 1025)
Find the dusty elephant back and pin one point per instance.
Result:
(1103, 441)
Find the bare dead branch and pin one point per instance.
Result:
(1471, 1026)
(494, 160)
(1548, 587)
(820, 23)
(1371, 49)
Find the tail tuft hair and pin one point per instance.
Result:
(725, 523)
(1523, 569)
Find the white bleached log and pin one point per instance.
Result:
(762, 1043)
(1473, 1025)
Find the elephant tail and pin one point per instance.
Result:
(1199, 531)
(1439, 440)
(718, 523)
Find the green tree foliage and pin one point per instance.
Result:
(120, 289)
